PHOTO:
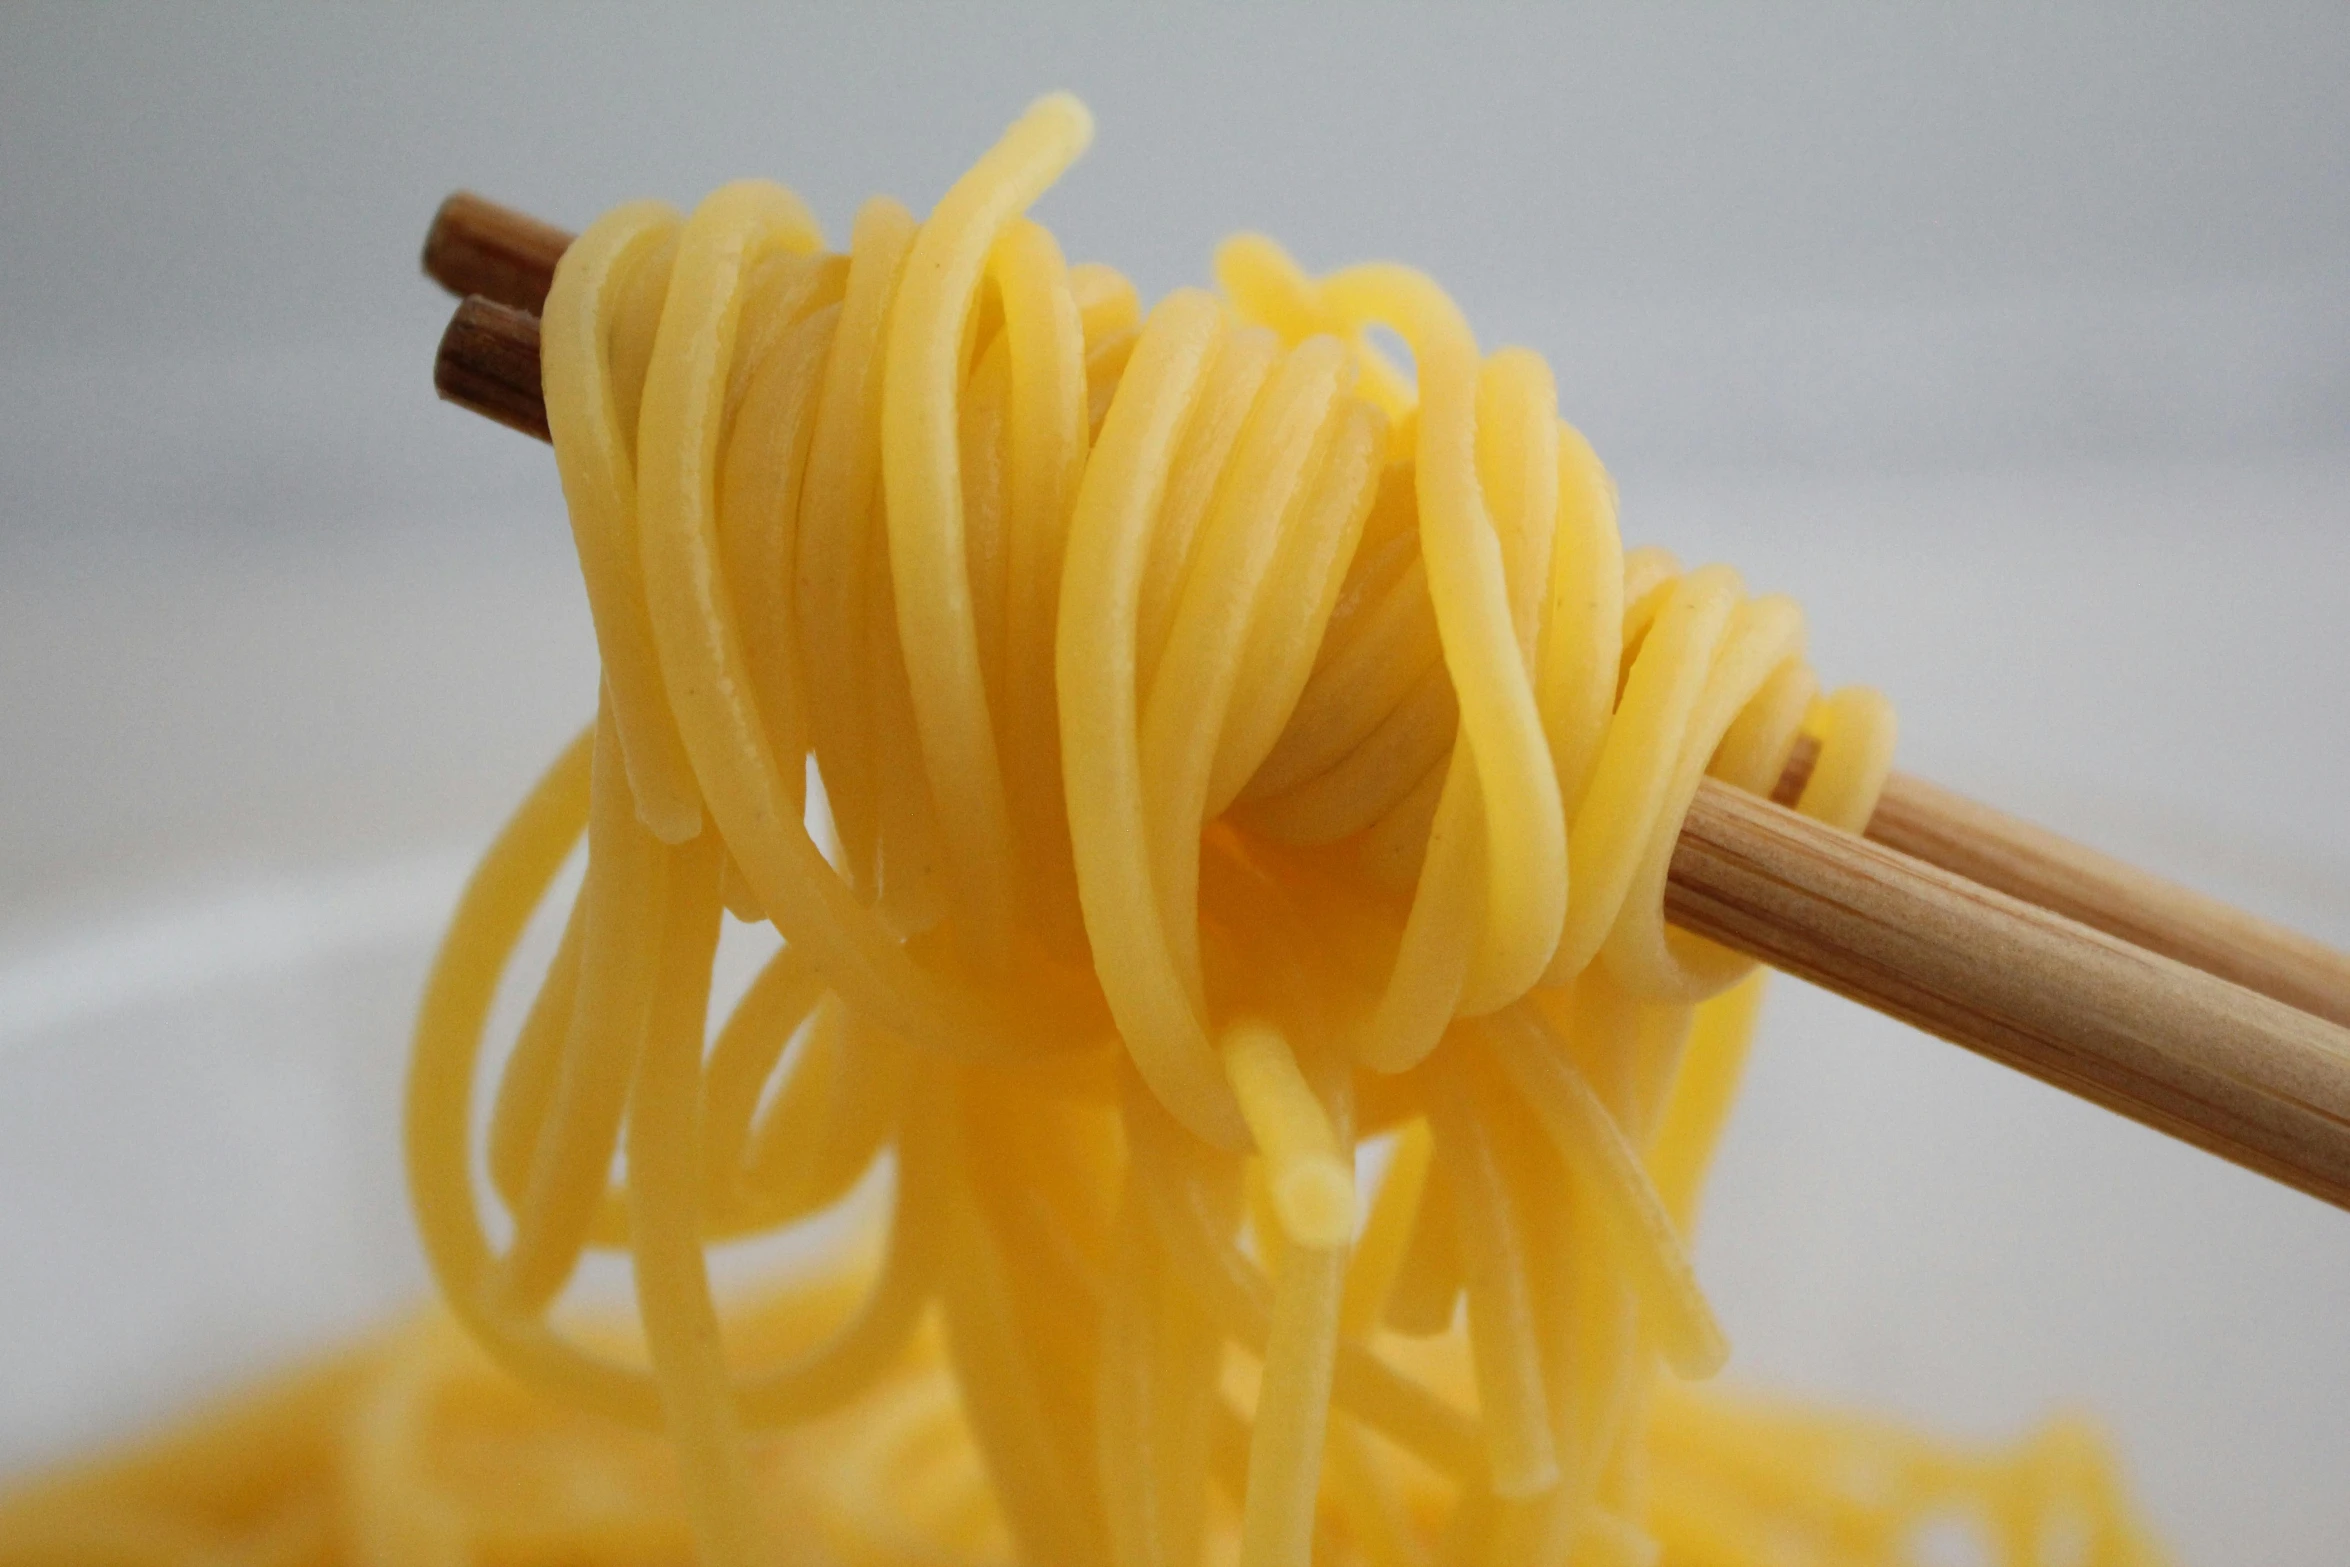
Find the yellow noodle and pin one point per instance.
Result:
(925, 513)
(1520, 1453)
(1004, 1397)
(1608, 1171)
(1108, 543)
(836, 512)
(1311, 1183)
(1293, 1408)
(534, 1067)
(618, 973)
(1234, 746)
(592, 398)
(664, 1185)
(1427, 1289)
(746, 1050)
(1380, 1253)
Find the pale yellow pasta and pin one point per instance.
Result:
(1238, 752)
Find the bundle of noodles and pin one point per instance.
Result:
(417, 1451)
(1238, 753)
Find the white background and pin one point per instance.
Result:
(2016, 345)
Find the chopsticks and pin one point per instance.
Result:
(2169, 1007)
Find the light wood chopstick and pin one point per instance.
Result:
(2167, 1006)
(1993, 849)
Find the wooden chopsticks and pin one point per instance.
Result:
(506, 257)
(2172, 1008)
(489, 362)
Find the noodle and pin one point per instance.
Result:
(1237, 750)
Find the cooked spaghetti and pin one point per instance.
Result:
(1248, 765)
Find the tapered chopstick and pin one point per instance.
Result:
(2166, 1006)
(1993, 849)
(2234, 1072)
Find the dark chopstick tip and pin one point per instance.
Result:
(489, 363)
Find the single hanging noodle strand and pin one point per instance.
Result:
(760, 485)
(528, 1083)
(592, 404)
(672, 1279)
(1313, 1186)
(831, 586)
(922, 476)
(1045, 460)
(1293, 1409)
(1524, 836)
(1582, 640)
(619, 972)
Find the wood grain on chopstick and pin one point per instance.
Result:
(1987, 846)
(2237, 1073)
(489, 362)
(1934, 824)
(2167, 1006)
(479, 247)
